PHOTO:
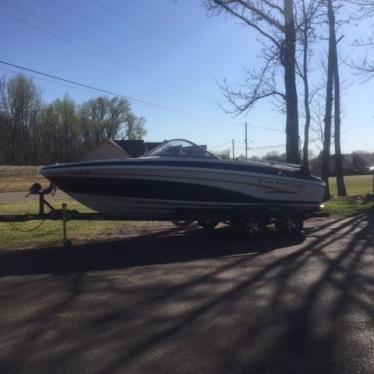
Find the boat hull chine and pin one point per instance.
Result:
(156, 209)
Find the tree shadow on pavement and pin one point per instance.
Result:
(167, 246)
(195, 302)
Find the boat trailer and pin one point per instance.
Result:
(47, 211)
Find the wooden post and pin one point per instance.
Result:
(41, 203)
(246, 141)
(66, 242)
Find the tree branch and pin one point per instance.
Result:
(272, 5)
(247, 21)
(260, 13)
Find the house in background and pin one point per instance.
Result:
(349, 167)
(364, 161)
(355, 163)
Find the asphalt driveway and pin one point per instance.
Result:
(194, 302)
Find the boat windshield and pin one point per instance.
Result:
(180, 148)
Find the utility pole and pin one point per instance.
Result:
(233, 149)
(246, 141)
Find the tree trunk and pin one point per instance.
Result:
(325, 167)
(292, 121)
(306, 89)
(341, 190)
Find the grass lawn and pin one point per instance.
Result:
(38, 234)
(349, 206)
(358, 186)
(355, 185)
(21, 183)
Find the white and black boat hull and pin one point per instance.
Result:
(138, 189)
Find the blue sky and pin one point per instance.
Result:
(167, 53)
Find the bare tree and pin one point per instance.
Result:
(4, 130)
(274, 22)
(33, 133)
(305, 36)
(62, 132)
(105, 117)
(317, 122)
(364, 9)
(326, 152)
(341, 190)
(19, 104)
(332, 98)
(135, 128)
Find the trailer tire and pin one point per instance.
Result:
(209, 224)
(182, 223)
(291, 223)
(253, 226)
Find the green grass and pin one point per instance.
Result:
(21, 183)
(357, 202)
(31, 234)
(350, 205)
(355, 185)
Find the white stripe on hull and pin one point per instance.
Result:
(150, 209)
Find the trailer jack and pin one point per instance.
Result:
(46, 211)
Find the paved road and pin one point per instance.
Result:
(194, 302)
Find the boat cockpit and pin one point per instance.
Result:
(181, 148)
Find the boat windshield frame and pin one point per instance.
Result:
(201, 153)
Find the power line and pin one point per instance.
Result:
(139, 26)
(190, 92)
(63, 28)
(142, 6)
(265, 128)
(220, 145)
(214, 148)
(98, 54)
(90, 20)
(112, 93)
(107, 92)
(39, 78)
(131, 22)
(268, 147)
(107, 29)
(90, 50)
(68, 41)
(127, 20)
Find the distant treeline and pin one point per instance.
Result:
(35, 133)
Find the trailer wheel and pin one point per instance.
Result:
(209, 224)
(254, 226)
(182, 223)
(289, 223)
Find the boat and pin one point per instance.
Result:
(181, 181)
